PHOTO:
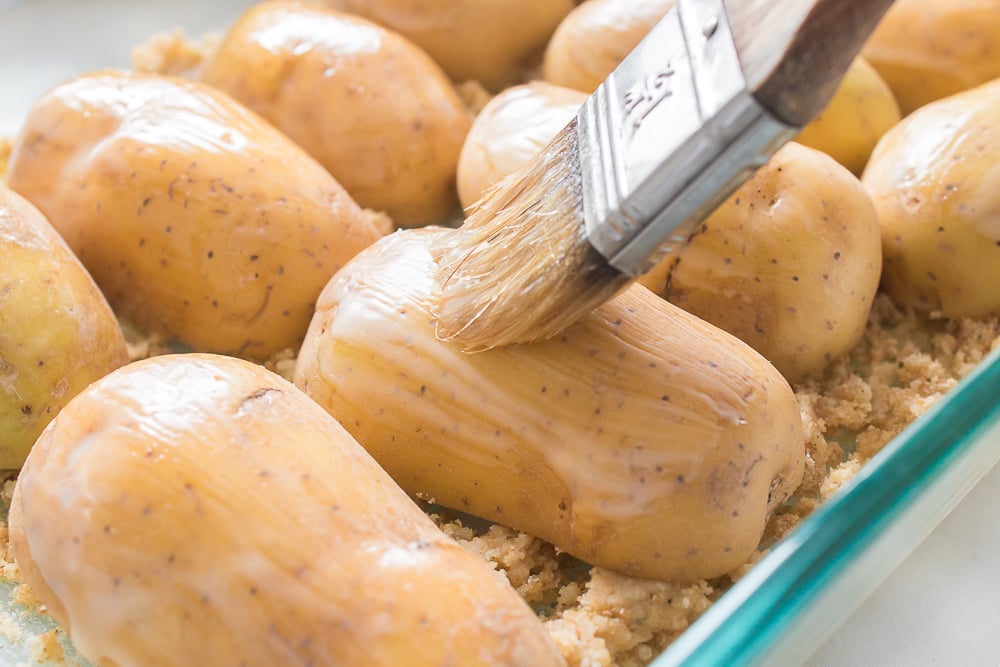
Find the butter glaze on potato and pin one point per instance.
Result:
(935, 182)
(197, 218)
(510, 130)
(200, 510)
(371, 107)
(643, 439)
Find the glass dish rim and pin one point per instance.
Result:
(753, 616)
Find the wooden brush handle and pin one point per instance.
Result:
(794, 53)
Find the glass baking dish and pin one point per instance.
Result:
(785, 606)
(798, 595)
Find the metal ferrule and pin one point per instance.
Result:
(669, 136)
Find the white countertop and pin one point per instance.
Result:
(941, 607)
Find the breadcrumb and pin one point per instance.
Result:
(46, 649)
(174, 53)
(473, 95)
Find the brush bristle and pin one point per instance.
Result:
(520, 268)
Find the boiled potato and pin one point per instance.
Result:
(860, 112)
(199, 510)
(935, 182)
(489, 41)
(198, 219)
(595, 37)
(509, 131)
(790, 263)
(929, 49)
(57, 333)
(371, 107)
(642, 439)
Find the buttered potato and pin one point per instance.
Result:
(511, 129)
(642, 439)
(861, 111)
(595, 37)
(200, 510)
(57, 332)
(929, 49)
(790, 263)
(595, 492)
(490, 41)
(935, 182)
(198, 220)
(370, 106)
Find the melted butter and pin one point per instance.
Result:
(926, 152)
(940, 153)
(523, 120)
(571, 411)
(15, 226)
(409, 556)
(160, 113)
(295, 32)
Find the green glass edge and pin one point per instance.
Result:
(757, 611)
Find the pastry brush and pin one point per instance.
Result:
(706, 98)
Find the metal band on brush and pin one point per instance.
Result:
(669, 136)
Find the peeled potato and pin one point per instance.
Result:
(57, 332)
(861, 111)
(929, 49)
(489, 41)
(509, 131)
(935, 182)
(371, 107)
(200, 510)
(197, 218)
(790, 263)
(642, 439)
(596, 37)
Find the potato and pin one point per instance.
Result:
(643, 439)
(371, 107)
(929, 49)
(596, 37)
(199, 510)
(489, 41)
(197, 219)
(861, 111)
(935, 183)
(790, 263)
(509, 131)
(57, 332)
